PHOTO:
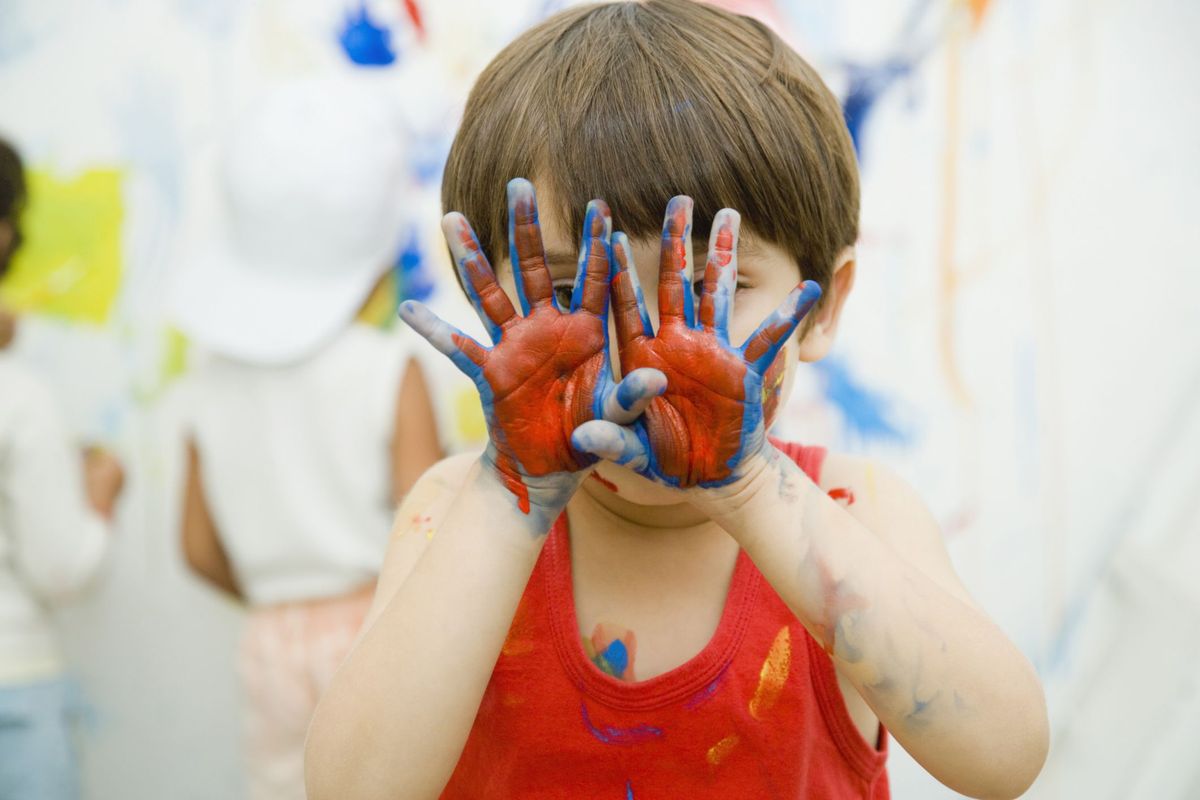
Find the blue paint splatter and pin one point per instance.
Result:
(868, 412)
(867, 84)
(412, 271)
(612, 735)
(364, 42)
(628, 790)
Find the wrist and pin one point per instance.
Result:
(540, 499)
(770, 485)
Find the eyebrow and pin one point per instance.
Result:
(562, 263)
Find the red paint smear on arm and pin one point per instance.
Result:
(612, 487)
(842, 493)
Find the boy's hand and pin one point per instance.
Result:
(708, 425)
(548, 371)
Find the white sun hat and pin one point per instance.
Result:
(310, 189)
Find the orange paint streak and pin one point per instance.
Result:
(773, 674)
(718, 752)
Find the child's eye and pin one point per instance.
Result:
(562, 293)
(698, 286)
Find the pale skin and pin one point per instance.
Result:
(870, 579)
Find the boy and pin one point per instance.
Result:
(633, 592)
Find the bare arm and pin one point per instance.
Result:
(201, 543)
(397, 714)
(415, 446)
(949, 685)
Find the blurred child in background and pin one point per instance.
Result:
(54, 522)
(305, 426)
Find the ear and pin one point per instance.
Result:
(820, 333)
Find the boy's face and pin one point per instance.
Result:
(765, 275)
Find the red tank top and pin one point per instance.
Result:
(756, 714)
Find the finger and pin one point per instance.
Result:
(613, 442)
(490, 302)
(466, 353)
(629, 306)
(629, 398)
(675, 300)
(595, 261)
(720, 274)
(534, 286)
(760, 349)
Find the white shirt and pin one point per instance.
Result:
(296, 464)
(51, 542)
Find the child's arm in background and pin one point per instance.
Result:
(58, 509)
(397, 714)
(885, 603)
(415, 445)
(200, 540)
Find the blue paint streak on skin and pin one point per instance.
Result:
(365, 42)
(617, 657)
(867, 411)
(623, 736)
(520, 189)
(628, 790)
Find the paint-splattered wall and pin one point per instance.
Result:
(1023, 343)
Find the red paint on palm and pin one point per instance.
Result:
(543, 379)
(695, 427)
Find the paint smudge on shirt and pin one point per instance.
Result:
(718, 752)
(773, 674)
(704, 695)
(608, 734)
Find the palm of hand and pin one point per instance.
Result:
(696, 429)
(543, 378)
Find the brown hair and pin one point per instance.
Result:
(12, 199)
(637, 101)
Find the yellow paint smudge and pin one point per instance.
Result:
(717, 753)
(773, 674)
(70, 266)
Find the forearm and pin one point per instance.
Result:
(395, 719)
(942, 677)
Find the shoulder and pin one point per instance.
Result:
(430, 496)
(892, 510)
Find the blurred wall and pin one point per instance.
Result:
(1023, 343)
